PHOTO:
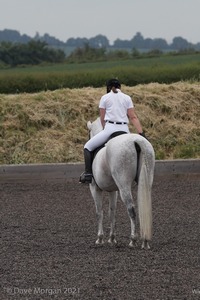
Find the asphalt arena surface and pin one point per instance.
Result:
(48, 230)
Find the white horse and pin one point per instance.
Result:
(114, 170)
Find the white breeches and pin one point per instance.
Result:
(101, 137)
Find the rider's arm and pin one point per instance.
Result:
(102, 115)
(134, 119)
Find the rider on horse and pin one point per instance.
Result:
(116, 109)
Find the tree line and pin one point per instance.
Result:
(32, 53)
(37, 52)
(101, 41)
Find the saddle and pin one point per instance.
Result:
(114, 134)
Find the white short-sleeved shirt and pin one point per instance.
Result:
(116, 106)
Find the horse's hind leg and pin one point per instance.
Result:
(128, 200)
(112, 212)
(97, 196)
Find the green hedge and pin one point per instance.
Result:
(31, 82)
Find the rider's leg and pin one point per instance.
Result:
(86, 177)
(90, 146)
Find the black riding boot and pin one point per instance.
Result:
(86, 177)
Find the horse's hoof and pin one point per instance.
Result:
(112, 241)
(99, 241)
(132, 243)
(133, 240)
(145, 245)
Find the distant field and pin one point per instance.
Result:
(164, 60)
(164, 69)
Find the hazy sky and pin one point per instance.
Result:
(121, 19)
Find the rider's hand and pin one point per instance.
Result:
(142, 134)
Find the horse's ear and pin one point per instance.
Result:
(89, 125)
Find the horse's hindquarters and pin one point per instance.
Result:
(102, 173)
(122, 160)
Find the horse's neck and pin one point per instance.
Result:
(96, 127)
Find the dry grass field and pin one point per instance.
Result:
(50, 127)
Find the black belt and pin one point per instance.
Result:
(118, 123)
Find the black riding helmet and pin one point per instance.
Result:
(112, 83)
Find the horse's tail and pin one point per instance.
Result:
(146, 173)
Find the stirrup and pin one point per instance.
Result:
(85, 178)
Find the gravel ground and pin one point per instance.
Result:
(48, 232)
